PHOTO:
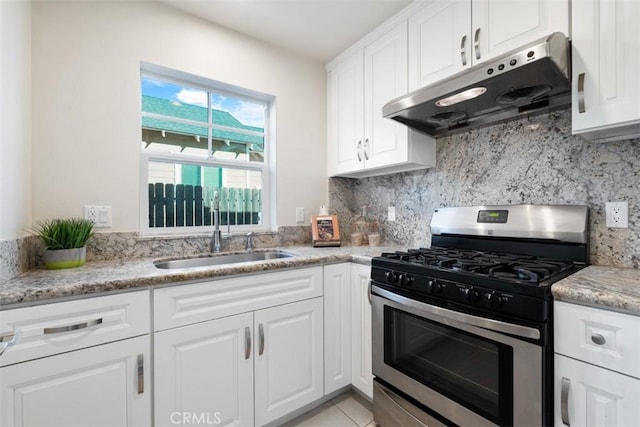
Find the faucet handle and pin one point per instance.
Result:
(249, 246)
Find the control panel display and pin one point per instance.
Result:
(493, 217)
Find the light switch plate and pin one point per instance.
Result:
(300, 215)
(100, 215)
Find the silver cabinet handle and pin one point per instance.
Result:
(463, 50)
(140, 366)
(564, 401)
(261, 337)
(359, 150)
(598, 339)
(7, 341)
(247, 343)
(68, 328)
(581, 108)
(476, 43)
(366, 149)
(369, 291)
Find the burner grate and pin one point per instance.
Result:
(511, 267)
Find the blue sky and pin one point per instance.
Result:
(246, 112)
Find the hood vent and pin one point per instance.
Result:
(525, 81)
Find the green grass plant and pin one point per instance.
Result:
(64, 233)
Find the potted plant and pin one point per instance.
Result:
(65, 241)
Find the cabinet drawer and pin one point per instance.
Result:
(60, 327)
(183, 305)
(604, 338)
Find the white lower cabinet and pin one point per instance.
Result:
(78, 363)
(361, 371)
(597, 379)
(205, 371)
(105, 385)
(242, 369)
(337, 326)
(288, 358)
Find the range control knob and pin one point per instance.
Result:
(391, 276)
(472, 294)
(495, 299)
(405, 280)
(433, 286)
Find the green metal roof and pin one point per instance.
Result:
(170, 109)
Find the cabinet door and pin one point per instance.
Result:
(205, 372)
(106, 385)
(385, 78)
(361, 372)
(337, 327)
(500, 26)
(346, 116)
(605, 64)
(439, 41)
(288, 358)
(594, 396)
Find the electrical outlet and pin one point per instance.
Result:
(617, 214)
(100, 215)
(300, 215)
(391, 214)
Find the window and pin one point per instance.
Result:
(201, 137)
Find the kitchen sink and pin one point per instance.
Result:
(222, 259)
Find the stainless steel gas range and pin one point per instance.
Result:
(463, 330)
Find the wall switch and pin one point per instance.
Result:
(300, 215)
(391, 214)
(617, 214)
(100, 215)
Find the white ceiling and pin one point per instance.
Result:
(319, 29)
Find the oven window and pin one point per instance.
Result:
(471, 370)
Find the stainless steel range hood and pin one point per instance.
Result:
(525, 81)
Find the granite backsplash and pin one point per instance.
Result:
(534, 160)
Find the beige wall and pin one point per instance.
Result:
(86, 102)
(15, 119)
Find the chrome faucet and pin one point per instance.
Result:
(249, 246)
(215, 240)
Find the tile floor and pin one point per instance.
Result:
(346, 410)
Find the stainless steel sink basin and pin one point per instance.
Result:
(222, 259)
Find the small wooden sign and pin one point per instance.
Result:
(325, 230)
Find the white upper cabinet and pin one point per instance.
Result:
(346, 115)
(606, 66)
(439, 43)
(360, 141)
(447, 37)
(385, 71)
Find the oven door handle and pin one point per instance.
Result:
(468, 319)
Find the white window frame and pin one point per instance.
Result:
(267, 168)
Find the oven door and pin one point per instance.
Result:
(463, 367)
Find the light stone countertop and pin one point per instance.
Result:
(609, 288)
(41, 285)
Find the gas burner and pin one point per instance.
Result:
(516, 268)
